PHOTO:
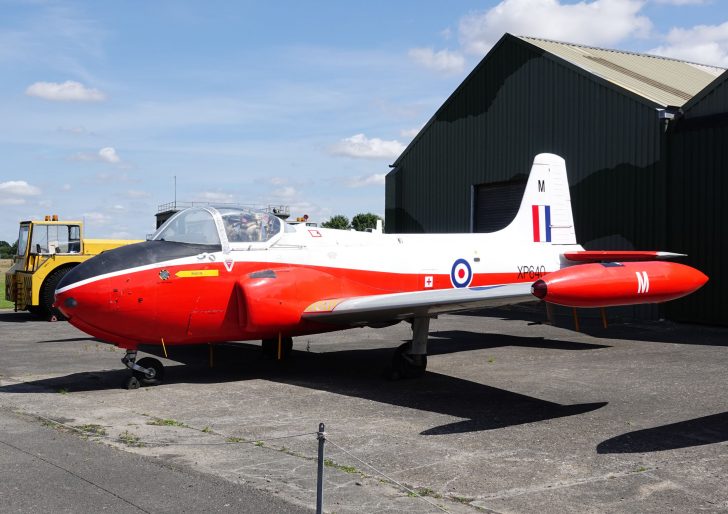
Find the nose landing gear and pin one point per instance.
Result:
(148, 371)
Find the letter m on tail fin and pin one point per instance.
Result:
(545, 212)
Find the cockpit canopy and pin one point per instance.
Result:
(226, 226)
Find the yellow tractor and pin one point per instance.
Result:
(47, 250)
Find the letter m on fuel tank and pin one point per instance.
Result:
(541, 223)
(643, 282)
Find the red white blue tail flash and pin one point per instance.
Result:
(541, 223)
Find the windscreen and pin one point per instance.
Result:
(23, 239)
(194, 225)
(246, 226)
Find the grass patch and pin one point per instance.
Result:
(341, 467)
(232, 439)
(161, 422)
(62, 390)
(130, 439)
(207, 430)
(4, 304)
(258, 443)
(91, 429)
(422, 492)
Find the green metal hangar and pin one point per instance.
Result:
(645, 141)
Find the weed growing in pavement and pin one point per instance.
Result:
(341, 467)
(232, 439)
(130, 439)
(161, 422)
(62, 390)
(92, 429)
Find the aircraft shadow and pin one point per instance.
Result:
(354, 373)
(618, 328)
(461, 340)
(71, 340)
(684, 434)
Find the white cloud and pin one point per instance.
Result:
(376, 179)
(216, 197)
(66, 187)
(704, 44)
(16, 192)
(410, 133)
(68, 91)
(135, 193)
(285, 192)
(97, 218)
(360, 146)
(443, 61)
(597, 22)
(107, 154)
(681, 2)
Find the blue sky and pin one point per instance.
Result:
(295, 103)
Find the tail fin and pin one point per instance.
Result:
(545, 213)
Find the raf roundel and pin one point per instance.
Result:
(461, 274)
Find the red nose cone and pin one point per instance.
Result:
(539, 289)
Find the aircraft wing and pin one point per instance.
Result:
(362, 310)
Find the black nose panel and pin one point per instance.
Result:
(133, 256)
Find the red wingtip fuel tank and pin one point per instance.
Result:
(611, 284)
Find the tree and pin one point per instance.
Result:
(7, 251)
(361, 222)
(337, 221)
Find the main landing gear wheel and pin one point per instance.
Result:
(407, 365)
(154, 373)
(148, 371)
(270, 348)
(410, 359)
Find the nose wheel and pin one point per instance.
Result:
(148, 371)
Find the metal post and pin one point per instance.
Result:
(321, 436)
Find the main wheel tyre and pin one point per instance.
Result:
(270, 348)
(156, 371)
(406, 365)
(48, 294)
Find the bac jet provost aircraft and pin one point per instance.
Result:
(227, 274)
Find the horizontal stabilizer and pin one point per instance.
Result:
(619, 255)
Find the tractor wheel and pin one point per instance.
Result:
(48, 292)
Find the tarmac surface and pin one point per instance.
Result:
(512, 416)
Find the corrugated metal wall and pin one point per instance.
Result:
(697, 193)
(521, 101)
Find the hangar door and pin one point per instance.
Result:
(495, 205)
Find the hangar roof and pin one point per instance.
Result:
(665, 81)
